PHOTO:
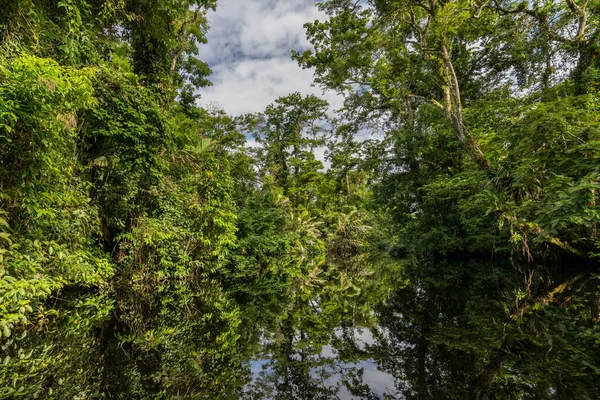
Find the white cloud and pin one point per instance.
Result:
(250, 85)
(248, 49)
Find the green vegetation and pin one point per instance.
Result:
(146, 252)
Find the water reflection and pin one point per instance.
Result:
(373, 333)
(330, 374)
(319, 349)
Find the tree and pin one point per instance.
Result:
(288, 132)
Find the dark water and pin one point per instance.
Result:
(427, 332)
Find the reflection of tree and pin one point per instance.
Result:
(452, 330)
(325, 312)
(422, 369)
(463, 336)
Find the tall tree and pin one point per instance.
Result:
(289, 132)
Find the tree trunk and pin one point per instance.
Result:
(484, 382)
(596, 307)
(108, 244)
(413, 162)
(423, 392)
(588, 54)
(453, 109)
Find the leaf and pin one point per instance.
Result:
(6, 330)
(203, 145)
(101, 161)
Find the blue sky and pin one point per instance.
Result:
(249, 45)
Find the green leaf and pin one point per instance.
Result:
(6, 330)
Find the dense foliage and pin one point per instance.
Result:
(147, 252)
(489, 170)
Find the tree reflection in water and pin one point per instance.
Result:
(366, 335)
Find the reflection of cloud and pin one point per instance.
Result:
(327, 370)
(380, 382)
(257, 366)
(248, 48)
(362, 336)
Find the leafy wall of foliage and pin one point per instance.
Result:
(144, 250)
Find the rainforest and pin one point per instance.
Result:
(435, 237)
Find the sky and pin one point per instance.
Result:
(248, 50)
